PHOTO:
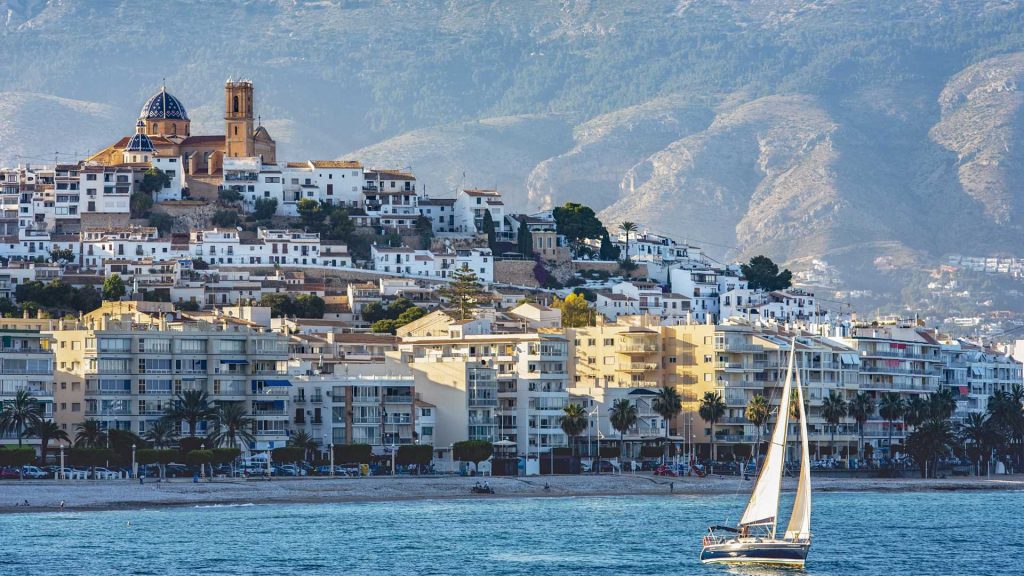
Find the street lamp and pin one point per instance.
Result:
(135, 469)
(330, 448)
(63, 475)
(202, 468)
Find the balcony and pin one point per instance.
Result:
(299, 399)
(637, 366)
(316, 398)
(636, 348)
(398, 399)
(269, 412)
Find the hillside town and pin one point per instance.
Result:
(337, 304)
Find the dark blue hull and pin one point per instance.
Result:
(754, 552)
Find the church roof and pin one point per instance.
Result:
(139, 143)
(163, 106)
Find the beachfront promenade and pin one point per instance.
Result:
(46, 495)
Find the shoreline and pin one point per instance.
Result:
(120, 495)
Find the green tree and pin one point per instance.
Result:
(978, 437)
(309, 306)
(524, 241)
(573, 422)
(234, 427)
(86, 299)
(341, 225)
(311, 213)
(153, 181)
(464, 292)
(711, 410)
(229, 195)
(160, 433)
(280, 304)
(47, 431)
(302, 439)
(140, 204)
(64, 255)
(475, 451)
(891, 407)
(265, 208)
(668, 404)
(623, 416)
(763, 274)
(358, 453)
(627, 228)
(575, 310)
(225, 219)
(20, 414)
(577, 223)
(492, 234)
(833, 409)
(932, 439)
(757, 412)
(162, 222)
(191, 407)
(861, 407)
(608, 252)
(89, 434)
(113, 288)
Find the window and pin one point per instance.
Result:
(234, 108)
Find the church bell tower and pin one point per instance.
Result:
(238, 137)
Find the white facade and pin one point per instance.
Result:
(470, 208)
(426, 264)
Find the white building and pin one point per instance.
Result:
(426, 264)
(470, 207)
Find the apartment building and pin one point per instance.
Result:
(897, 357)
(528, 372)
(125, 362)
(598, 403)
(26, 363)
(633, 298)
(427, 264)
(974, 372)
(369, 404)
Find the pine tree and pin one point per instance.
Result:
(464, 292)
(524, 241)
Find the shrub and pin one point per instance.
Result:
(89, 456)
(17, 455)
(199, 457)
(288, 454)
(420, 454)
(229, 195)
(352, 453)
(225, 455)
(473, 450)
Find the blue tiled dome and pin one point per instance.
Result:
(139, 143)
(163, 106)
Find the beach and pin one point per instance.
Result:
(46, 495)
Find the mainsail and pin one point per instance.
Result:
(800, 522)
(763, 506)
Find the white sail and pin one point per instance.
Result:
(800, 522)
(763, 506)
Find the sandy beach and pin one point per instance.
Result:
(46, 495)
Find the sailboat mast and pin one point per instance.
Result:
(800, 521)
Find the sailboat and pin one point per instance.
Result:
(754, 539)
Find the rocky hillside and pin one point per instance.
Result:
(870, 133)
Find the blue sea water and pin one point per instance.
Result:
(976, 533)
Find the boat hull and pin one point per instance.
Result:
(779, 552)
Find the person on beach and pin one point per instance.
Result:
(61, 504)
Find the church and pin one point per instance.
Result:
(164, 131)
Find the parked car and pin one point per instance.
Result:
(291, 470)
(177, 471)
(664, 470)
(101, 473)
(33, 472)
(9, 473)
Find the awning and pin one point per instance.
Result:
(849, 359)
(234, 362)
(977, 371)
(276, 383)
(964, 390)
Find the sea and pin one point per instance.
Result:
(970, 533)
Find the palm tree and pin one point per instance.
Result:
(711, 410)
(861, 408)
(89, 434)
(192, 407)
(573, 423)
(623, 416)
(757, 412)
(891, 407)
(668, 404)
(627, 228)
(915, 412)
(20, 414)
(976, 434)
(160, 433)
(941, 404)
(302, 439)
(234, 425)
(47, 430)
(933, 438)
(833, 409)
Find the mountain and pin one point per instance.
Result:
(880, 136)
